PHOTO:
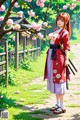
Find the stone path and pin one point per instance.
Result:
(72, 96)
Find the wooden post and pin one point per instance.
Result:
(24, 47)
(6, 50)
(16, 50)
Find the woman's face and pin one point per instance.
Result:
(60, 22)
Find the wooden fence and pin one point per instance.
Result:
(10, 56)
(16, 55)
(4, 63)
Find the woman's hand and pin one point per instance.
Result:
(66, 62)
(50, 35)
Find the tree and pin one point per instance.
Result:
(7, 24)
(36, 10)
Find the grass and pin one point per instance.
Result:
(31, 93)
(77, 93)
(27, 91)
(73, 105)
(74, 84)
(24, 76)
(28, 95)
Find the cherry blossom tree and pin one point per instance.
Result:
(8, 25)
(49, 9)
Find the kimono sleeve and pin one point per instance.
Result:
(66, 42)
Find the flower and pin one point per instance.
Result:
(1, 18)
(65, 7)
(38, 27)
(16, 5)
(40, 3)
(19, 14)
(9, 22)
(28, 36)
(40, 35)
(34, 38)
(31, 13)
(58, 76)
(45, 24)
(34, 25)
(73, 5)
(2, 8)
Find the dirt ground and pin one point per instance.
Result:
(72, 96)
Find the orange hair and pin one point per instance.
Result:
(66, 18)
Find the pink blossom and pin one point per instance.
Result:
(2, 8)
(34, 38)
(1, 18)
(65, 7)
(31, 13)
(71, 8)
(34, 25)
(16, 5)
(37, 3)
(19, 14)
(16, 27)
(40, 35)
(45, 24)
(40, 3)
(28, 36)
(38, 27)
(9, 22)
(28, 0)
(73, 5)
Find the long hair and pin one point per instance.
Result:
(66, 18)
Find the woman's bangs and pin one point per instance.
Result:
(60, 18)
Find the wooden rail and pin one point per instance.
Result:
(4, 62)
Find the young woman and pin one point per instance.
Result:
(57, 61)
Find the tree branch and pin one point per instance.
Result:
(7, 15)
(1, 2)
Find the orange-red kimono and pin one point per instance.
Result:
(59, 70)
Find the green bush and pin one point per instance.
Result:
(10, 79)
(1, 49)
(25, 65)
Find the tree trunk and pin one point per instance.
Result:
(1, 34)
